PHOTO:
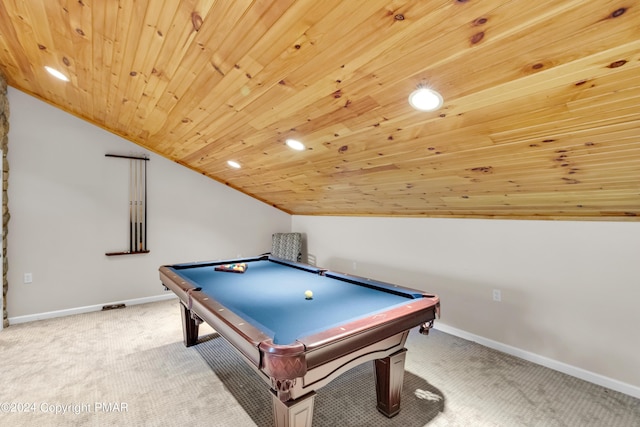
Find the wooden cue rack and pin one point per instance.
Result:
(137, 205)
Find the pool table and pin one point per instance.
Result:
(299, 344)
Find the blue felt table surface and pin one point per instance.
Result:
(271, 297)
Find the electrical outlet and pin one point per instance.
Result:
(497, 295)
(28, 277)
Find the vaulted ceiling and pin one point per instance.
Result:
(541, 114)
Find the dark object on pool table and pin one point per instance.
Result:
(298, 345)
(232, 268)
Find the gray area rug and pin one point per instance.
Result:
(129, 367)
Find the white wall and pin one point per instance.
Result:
(69, 205)
(570, 290)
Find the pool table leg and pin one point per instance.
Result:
(389, 379)
(293, 413)
(189, 327)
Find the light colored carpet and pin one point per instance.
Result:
(134, 357)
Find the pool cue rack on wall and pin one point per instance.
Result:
(137, 205)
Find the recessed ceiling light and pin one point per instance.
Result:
(294, 144)
(57, 74)
(233, 164)
(425, 99)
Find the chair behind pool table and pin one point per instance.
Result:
(287, 246)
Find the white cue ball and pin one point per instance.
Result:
(308, 294)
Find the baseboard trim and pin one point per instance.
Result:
(583, 374)
(87, 309)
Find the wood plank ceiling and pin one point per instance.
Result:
(541, 114)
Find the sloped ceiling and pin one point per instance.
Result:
(541, 114)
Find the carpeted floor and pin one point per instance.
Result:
(129, 367)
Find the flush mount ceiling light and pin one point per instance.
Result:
(294, 144)
(425, 99)
(57, 74)
(233, 164)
